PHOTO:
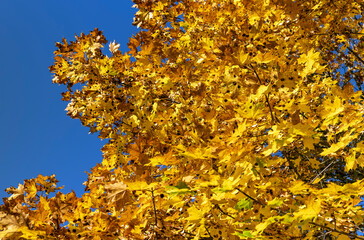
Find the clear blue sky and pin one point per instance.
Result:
(37, 136)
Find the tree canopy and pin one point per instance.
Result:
(226, 119)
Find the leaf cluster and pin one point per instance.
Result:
(226, 119)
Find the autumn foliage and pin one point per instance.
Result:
(226, 119)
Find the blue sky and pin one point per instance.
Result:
(37, 135)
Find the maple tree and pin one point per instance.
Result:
(226, 119)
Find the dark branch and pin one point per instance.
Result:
(338, 231)
(255, 200)
(356, 55)
(155, 211)
(222, 211)
(266, 97)
(327, 167)
(207, 230)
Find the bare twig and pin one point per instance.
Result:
(266, 97)
(256, 74)
(207, 230)
(182, 230)
(155, 210)
(336, 33)
(222, 211)
(327, 167)
(338, 231)
(270, 109)
(356, 55)
(291, 166)
(255, 200)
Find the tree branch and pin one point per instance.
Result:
(292, 166)
(338, 231)
(356, 55)
(155, 211)
(255, 200)
(336, 33)
(322, 171)
(266, 97)
(207, 230)
(222, 211)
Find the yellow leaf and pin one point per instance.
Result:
(317, 180)
(253, 18)
(45, 204)
(31, 234)
(299, 187)
(188, 178)
(350, 162)
(308, 142)
(167, 159)
(141, 185)
(264, 58)
(310, 210)
(261, 90)
(194, 214)
(343, 237)
(243, 57)
(16, 192)
(332, 109)
(32, 190)
(134, 121)
(343, 142)
(261, 226)
(310, 60)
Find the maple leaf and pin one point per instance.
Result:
(310, 210)
(118, 194)
(113, 47)
(31, 188)
(16, 192)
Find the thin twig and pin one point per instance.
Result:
(336, 33)
(207, 230)
(322, 172)
(256, 74)
(338, 231)
(222, 211)
(291, 166)
(255, 200)
(266, 97)
(356, 55)
(270, 109)
(184, 231)
(155, 211)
